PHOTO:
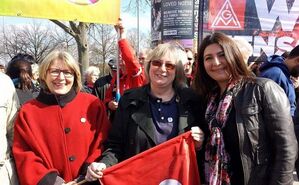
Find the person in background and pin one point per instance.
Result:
(142, 56)
(35, 77)
(251, 139)
(9, 105)
(188, 66)
(103, 83)
(58, 134)
(91, 75)
(280, 70)
(131, 72)
(154, 113)
(244, 47)
(20, 71)
(257, 62)
(2, 68)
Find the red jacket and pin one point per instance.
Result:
(135, 74)
(50, 139)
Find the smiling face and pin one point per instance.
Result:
(59, 77)
(162, 72)
(216, 64)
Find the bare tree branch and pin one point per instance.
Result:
(64, 27)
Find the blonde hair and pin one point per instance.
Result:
(176, 53)
(68, 60)
(244, 47)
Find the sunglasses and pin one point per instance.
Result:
(190, 58)
(159, 63)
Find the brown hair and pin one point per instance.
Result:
(203, 83)
(20, 68)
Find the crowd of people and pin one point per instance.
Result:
(61, 128)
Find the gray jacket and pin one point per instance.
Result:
(267, 142)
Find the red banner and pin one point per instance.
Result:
(173, 162)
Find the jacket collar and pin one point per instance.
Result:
(51, 99)
(140, 98)
(142, 94)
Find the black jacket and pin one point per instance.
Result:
(267, 143)
(133, 129)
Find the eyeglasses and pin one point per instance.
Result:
(159, 63)
(141, 58)
(56, 72)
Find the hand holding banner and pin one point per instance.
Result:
(173, 162)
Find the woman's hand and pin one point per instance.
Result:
(198, 136)
(94, 171)
(70, 183)
(120, 29)
(112, 105)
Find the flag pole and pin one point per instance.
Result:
(117, 95)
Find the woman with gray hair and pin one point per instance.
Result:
(91, 75)
(58, 134)
(154, 113)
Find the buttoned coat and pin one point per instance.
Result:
(52, 140)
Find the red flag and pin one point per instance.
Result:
(172, 162)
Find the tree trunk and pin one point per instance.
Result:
(82, 43)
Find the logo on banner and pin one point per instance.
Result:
(170, 182)
(226, 18)
(84, 2)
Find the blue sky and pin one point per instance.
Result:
(129, 19)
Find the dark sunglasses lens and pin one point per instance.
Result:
(156, 63)
(169, 66)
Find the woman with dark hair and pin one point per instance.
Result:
(20, 71)
(251, 139)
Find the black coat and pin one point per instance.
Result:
(267, 143)
(133, 128)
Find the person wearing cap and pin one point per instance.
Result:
(131, 71)
(103, 83)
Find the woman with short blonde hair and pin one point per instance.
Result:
(58, 134)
